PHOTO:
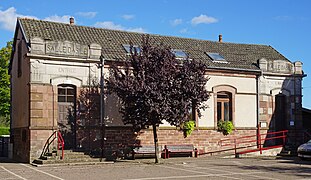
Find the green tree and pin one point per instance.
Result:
(5, 54)
(154, 86)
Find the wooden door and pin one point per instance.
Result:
(66, 114)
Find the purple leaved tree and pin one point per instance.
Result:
(154, 86)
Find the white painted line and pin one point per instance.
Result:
(182, 169)
(175, 177)
(42, 172)
(194, 176)
(247, 173)
(261, 177)
(206, 174)
(13, 173)
(226, 173)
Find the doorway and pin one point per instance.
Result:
(280, 112)
(67, 113)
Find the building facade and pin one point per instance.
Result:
(52, 65)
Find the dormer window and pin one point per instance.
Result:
(127, 48)
(216, 57)
(179, 54)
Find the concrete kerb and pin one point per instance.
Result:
(72, 164)
(150, 161)
(138, 161)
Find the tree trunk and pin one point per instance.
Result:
(155, 138)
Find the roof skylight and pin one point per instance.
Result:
(216, 57)
(128, 48)
(179, 54)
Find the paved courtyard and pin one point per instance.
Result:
(174, 168)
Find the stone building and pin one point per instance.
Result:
(251, 85)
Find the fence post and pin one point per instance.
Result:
(165, 152)
(283, 138)
(259, 139)
(196, 152)
(235, 146)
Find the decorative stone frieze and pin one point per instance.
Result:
(263, 64)
(37, 45)
(298, 67)
(64, 48)
(95, 51)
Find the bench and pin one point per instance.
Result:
(144, 150)
(182, 149)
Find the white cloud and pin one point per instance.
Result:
(139, 30)
(203, 19)
(176, 22)
(8, 18)
(283, 18)
(183, 31)
(87, 14)
(128, 16)
(109, 25)
(56, 18)
(112, 25)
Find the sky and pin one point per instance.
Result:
(283, 24)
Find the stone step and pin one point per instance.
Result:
(70, 156)
(57, 161)
(39, 162)
(66, 157)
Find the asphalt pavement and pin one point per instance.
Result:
(270, 168)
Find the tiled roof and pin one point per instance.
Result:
(239, 56)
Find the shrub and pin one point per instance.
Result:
(4, 121)
(4, 131)
(188, 127)
(225, 127)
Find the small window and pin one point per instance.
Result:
(66, 93)
(128, 48)
(179, 54)
(216, 57)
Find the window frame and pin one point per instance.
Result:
(222, 101)
(66, 95)
(229, 90)
(216, 57)
(127, 48)
(177, 52)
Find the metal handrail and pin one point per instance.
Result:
(49, 141)
(60, 143)
(236, 142)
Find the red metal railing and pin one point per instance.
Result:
(60, 143)
(258, 142)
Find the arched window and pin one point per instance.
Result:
(224, 106)
(224, 103)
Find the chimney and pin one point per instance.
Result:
(71, 21)
(220, 38)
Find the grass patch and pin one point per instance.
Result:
(4, 131)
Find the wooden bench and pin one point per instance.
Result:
(182, 149)
(143, 150)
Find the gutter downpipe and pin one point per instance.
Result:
(258, 108)
(102, 107)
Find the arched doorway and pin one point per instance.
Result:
(66, 100)
(280, 112)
